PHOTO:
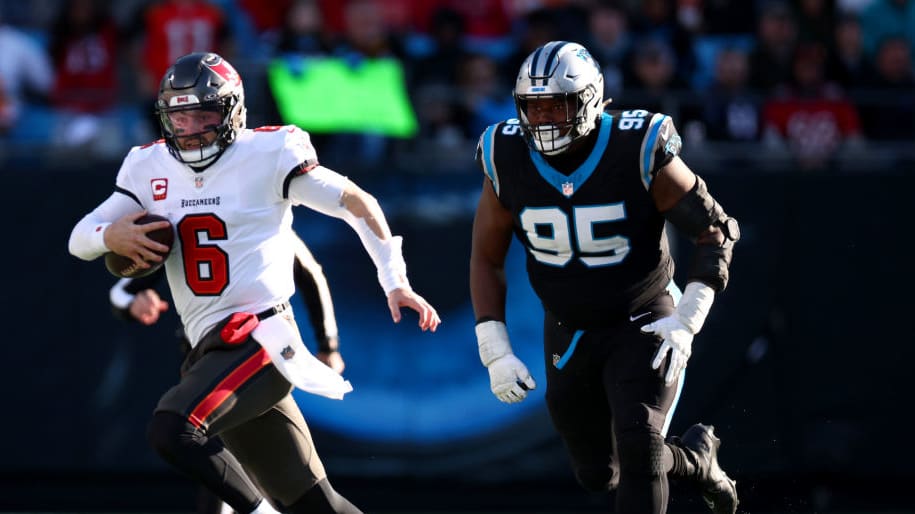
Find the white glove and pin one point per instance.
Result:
(508, 376)
(678, 329)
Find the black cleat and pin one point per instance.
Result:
(718, 490)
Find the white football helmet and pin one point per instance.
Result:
(202, 81)
(560, 69)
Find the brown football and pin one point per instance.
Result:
(124, 267)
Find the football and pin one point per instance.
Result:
(124, 267)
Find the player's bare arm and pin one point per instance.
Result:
(492, 232)
(126, 238)
(509, 378)
(364, 206)
(364, 214)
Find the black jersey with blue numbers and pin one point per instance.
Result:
(596, 247)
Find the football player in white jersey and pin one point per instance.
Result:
(229, 192)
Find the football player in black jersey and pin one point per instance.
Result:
(587, 192)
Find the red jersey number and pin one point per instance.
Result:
(206, 265)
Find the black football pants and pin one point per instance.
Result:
(234, 392)
(611, 408)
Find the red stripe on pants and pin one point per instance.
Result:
(229, 385)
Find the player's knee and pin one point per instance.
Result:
(598, 480)
(641, 454)
(169, 434)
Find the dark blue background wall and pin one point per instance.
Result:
(803, 366)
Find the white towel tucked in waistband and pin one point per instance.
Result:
(280, 337)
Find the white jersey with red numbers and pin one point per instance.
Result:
(233, 221)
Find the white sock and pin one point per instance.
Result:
(265, 508)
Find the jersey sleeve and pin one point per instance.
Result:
(124, 183)
(319, 188)
(297, 152)
(660, 145)
(485, 155)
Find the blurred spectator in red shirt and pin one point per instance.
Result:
(811, 117)
(266, 16)
(172, 28)
(84, 50)
(163, 30)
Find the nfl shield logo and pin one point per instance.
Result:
(568, 188)
(556, 359)
(198, 182)
(287, 353)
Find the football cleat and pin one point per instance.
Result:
(718, 490)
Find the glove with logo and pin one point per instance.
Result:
(678, 329)
(508, 376)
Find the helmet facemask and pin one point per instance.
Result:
(218, 136)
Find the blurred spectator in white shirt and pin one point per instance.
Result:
(26, 75)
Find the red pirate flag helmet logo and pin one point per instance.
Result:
(223, 69)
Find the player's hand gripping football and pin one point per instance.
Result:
(509, 378)
(677, 330)
(428, 318)
(126, 238)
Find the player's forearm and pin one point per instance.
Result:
(488, 291)
(87, 240)
(364, 206)
(364, 215)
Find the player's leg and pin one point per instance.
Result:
(222, 385)
(641, 403)
(698, 448)
(277, 450)
(578, 407)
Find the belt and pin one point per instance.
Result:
(276, 309)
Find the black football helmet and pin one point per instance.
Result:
(201, 81)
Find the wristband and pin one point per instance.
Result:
(492, 340)
(695, 304)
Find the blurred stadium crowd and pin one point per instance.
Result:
(812, 84)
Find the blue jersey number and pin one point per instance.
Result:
(550, 235)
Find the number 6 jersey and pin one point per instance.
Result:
(595, 242)
(233, 220)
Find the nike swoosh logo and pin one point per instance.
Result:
(642, 315)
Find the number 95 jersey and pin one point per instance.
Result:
(595, 242)
(233, 220)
